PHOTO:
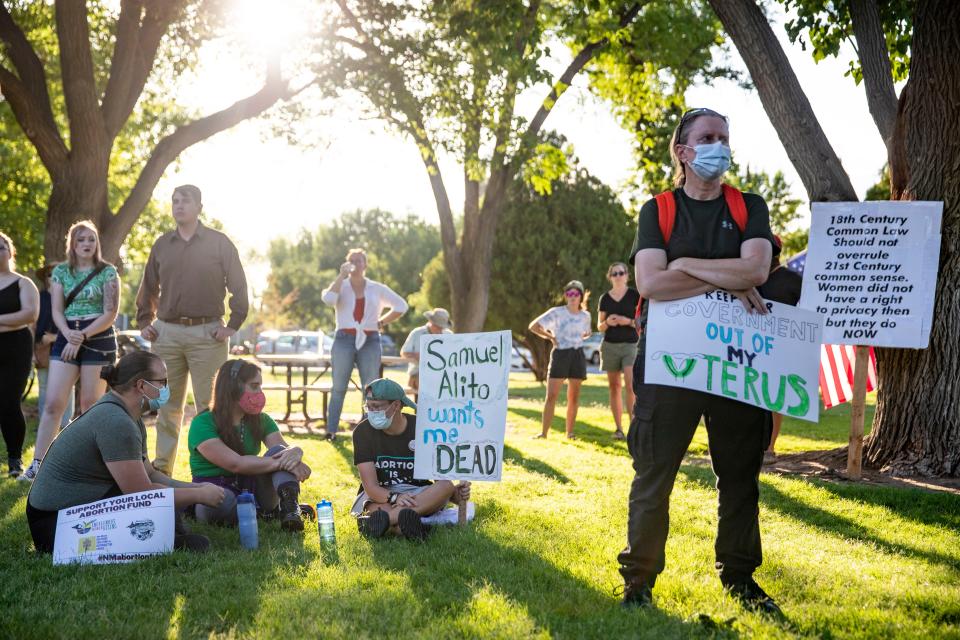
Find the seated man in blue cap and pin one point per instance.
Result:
(390, 499)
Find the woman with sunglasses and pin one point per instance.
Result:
(103, 454)
(618, 350)
(225, 443)
(566, 327)
(709, 249)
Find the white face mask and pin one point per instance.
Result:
(379, 419)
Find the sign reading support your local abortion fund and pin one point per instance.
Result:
(710, 343)
(462, 405)
(871, 271)
(121, 529)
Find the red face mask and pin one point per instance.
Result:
(252, 403)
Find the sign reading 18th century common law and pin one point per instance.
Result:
(462, 405)
(871, 271)
(121, 529)
(710, 343)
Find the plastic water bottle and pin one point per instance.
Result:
(247, 520)
(328, 534)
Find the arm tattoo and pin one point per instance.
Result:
(111, 295)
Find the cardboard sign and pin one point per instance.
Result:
(121, 529)
(871, 271)
(710, 343)
(462, 406)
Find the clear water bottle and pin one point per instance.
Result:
(247, 520)
(328, 534)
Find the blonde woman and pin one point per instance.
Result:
(85, 297)
(19, 305)
(618, 351)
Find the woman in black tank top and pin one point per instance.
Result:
(19, 305)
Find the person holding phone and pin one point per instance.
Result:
(364, 307)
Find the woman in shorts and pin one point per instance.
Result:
(566, 326)
(618, 349)
(85, 297)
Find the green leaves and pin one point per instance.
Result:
(824, 25)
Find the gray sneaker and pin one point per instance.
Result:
(31, 473)
(15, 467)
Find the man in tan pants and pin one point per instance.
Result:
(180, 310)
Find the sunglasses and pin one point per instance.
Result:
(614, 274)
(696, 113)
(572, 293)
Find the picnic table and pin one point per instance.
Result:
(297, 392)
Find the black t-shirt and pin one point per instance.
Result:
(391, 455)
(626, 306)
(702, 229)
(782, 285)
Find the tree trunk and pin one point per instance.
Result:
(917, 422)
(79, 193)
(540, 350)
(785, 102)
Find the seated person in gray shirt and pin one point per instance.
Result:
(103, 453)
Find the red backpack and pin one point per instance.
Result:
(667, 213)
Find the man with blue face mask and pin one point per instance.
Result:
(702, 236)
(390, 499)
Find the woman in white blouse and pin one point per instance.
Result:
(360, 304)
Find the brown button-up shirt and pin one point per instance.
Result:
(190, 279)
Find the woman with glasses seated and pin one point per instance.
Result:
(618, 350)
(566, 327)
(224, 445)
(103, 454)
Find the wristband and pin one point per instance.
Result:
(392, 499)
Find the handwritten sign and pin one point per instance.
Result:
(114, 530)
(462, 406)
(871, 271)
(710, 343)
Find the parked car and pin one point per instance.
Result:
(517, 355)
(388, 346)
(591, 348)
(286, 342)
(129, 341)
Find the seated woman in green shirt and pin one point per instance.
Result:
(224, 445)
(103, 454)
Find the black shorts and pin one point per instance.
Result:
(568, 363)
(98, 349)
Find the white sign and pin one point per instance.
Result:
(710, 343)
(871, 271)
(121, 529)
(462, 406)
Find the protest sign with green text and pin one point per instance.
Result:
(710, 343)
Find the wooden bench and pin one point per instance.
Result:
(323, 388)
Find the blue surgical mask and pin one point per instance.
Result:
(159, 401)
(712, 160)
(379, 420)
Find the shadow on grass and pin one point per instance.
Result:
(533, 465)
(584, 431)
(146, 599)
(792, 507)
(456, 565)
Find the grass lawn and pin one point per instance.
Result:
(539, 561)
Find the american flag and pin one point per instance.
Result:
(836, 373)
(836, 361)
(797, 262)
